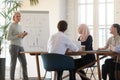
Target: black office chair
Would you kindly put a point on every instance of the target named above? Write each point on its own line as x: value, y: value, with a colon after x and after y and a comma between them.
x: 56, y: 62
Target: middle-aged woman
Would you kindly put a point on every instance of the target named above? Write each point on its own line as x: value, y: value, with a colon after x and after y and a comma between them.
x: 15, y: 35
x: 86, y: 39
x: 113, y: 41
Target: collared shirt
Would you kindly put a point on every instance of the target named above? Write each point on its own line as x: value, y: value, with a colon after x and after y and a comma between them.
x: 59, y: 43
x: 114, y: 41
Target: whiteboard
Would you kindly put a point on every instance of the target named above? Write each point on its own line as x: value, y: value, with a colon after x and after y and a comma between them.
x: 36, y: 23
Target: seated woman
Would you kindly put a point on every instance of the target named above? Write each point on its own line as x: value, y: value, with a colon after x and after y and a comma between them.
x: 109, y: 66
x: 86, y: 40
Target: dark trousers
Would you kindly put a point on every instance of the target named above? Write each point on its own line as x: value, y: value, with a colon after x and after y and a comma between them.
x: 15, y: 53
x: 80, y: 62
x: 72, y: 75
x: 108, y: 69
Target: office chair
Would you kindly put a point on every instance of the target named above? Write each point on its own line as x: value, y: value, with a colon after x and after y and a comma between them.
x: 56, y: 62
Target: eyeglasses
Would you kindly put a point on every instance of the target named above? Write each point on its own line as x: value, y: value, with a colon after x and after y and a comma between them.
x: 18, y: 16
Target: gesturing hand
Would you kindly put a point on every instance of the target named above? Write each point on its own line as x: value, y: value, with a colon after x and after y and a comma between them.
x: 22, y: 35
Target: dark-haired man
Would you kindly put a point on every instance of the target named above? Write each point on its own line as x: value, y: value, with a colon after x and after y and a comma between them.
x: 59, y: 43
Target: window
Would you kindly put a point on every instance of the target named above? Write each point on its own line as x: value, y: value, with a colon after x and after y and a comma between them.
x: 99, y: 16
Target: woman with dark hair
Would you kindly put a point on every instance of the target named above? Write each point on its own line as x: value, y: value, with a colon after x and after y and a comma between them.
x: 109, y: 66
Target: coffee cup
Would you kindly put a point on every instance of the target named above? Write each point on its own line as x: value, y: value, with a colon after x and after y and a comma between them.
x: 82, y: 47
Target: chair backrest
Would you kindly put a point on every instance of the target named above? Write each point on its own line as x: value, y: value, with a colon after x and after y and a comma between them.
x: 54, y: 62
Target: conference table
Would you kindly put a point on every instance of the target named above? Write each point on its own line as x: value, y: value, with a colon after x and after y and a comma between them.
x: 98, y: 54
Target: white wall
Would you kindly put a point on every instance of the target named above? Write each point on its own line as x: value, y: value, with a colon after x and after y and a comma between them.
x: 72, y: 19
x: 58, y: 9
x: 45, y: 5
x: 117, y: 11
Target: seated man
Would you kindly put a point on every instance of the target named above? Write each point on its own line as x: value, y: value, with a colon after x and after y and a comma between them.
x: 59, y: 43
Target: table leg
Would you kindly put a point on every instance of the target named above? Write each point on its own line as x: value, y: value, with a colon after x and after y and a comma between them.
x: 38, y: 67
x: 55, y: 75
x: 98, y: 65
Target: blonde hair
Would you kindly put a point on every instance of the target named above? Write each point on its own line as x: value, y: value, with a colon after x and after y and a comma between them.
x: 84, y: 32
x: 17, y: 12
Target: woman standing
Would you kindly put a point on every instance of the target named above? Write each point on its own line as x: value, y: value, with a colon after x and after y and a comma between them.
x: 15, y: 36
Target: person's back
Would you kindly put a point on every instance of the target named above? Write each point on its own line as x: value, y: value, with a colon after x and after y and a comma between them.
x: 59, y: 43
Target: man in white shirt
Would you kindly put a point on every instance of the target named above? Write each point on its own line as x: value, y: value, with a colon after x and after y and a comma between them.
x: 59, y: 43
